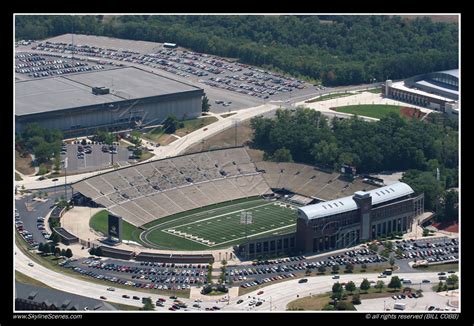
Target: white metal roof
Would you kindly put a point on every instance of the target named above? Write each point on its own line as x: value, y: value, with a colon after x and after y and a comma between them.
x: 346, y: 204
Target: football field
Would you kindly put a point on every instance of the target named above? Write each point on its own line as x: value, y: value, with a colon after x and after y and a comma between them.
x: 221, y: 226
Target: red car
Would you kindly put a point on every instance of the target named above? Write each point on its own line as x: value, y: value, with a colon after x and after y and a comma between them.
x: 161, y: 300
x: 259, y: 292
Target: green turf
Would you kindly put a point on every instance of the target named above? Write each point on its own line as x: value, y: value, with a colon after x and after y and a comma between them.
x: 221, y: 224
x: 377, y: 111
x: 99, y: 223
x: 329, y: 97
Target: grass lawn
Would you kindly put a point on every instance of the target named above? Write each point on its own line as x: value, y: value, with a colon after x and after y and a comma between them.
x: 329, y: 97
x: 17, y: 177
x: 228, y: 114
x: 194, y: 124
x: 220, y: 224
x: 374, y: 90
x: 123, y: 307
x: 23, y: 164
x: 317, y: 302
x: 99, y: 222
x: 377, y: 111
x: 20, y: 277
x: 440, y: 268
x: 145, y: 156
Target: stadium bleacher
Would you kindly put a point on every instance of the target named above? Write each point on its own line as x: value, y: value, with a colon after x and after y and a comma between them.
x: 149, y: 191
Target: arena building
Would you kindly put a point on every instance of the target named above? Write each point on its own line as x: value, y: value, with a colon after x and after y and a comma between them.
x: 116, y: 98
x: 437, y: 90
x: 364, y: 216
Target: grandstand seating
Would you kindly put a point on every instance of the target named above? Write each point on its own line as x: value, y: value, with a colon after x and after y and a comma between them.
x: 149, y: 191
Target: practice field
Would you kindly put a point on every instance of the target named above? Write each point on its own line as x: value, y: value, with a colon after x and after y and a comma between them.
x: 377, y: 111
x: 220, y: 226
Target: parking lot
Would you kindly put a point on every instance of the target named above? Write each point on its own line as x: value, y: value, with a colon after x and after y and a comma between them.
x: 33, y: 65
x: 433, y: 250
x: 274, y: 270
x: 30, y: 222
x: 90, y: 157
x: 208, y: 71
x: 148, y: 275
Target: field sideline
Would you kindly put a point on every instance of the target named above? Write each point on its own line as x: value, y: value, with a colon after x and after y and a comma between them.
x: 220, y: 227
x: 218, y: 224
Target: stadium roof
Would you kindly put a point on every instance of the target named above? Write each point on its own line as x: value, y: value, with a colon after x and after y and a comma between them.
x: 452, y: 72
x: 347, y: 204
x: 75, y: 90
x: 401, y: 86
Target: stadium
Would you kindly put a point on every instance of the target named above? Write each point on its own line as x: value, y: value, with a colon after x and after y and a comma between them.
x: 80, y: 103
x: 225, y: 198
x: 436, y: 90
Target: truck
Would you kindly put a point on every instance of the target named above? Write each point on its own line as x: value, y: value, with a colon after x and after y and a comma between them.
x: 388, y: 271
x: 399, y: 306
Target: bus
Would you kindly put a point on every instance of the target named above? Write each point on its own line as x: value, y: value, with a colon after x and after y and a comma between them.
x: 399, y: 306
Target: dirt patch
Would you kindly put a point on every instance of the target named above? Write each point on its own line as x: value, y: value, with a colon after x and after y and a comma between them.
x: 166, y: 139
x: 23, y: 164
x: 411, y: 113
x: 255, y: 154
x: 228, y: 115
x: 227, y: 138
x: 447, y: 226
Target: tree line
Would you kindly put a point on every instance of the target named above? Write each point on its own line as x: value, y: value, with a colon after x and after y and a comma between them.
x: 348, y: 50
x: 393, y: 143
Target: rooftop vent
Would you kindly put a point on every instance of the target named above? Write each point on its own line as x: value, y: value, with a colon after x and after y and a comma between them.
x: 100, y: 90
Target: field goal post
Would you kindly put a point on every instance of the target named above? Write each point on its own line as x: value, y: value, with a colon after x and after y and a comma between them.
x: 246, y: 218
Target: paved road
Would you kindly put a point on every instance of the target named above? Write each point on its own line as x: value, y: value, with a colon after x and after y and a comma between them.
x: 281, y: 294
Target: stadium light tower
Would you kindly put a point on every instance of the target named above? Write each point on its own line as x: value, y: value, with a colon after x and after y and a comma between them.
x: 65, y: 178
x: 246, y: 218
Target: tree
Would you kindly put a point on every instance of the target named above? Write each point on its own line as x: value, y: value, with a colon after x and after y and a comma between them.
x: 391, y: 262
x: 356, y: 299
x: 388, y: 245
x: 62, y: 253
x: 452, y: 280
x: 395, y: 283
x: 322, y: 269
x: 373, y: 247
x: 57, y: 251
x: 440, y: 287
x: 349, y: 268
x: 350, y: 286
x: 337, y: 287
x: 365, y: 285
x: 205, y: 104
x: 380, y: 285
x: 69, y: 253
x: 426, y: 232
x: 98, y: 251
x: 147, y: 304
x: 170, y: 125
x: 92, y: 251
x: 41, y: 247
x: 282, y: 155
x: 363, y: 267
x: 335, y: 269
x: 55, y: 238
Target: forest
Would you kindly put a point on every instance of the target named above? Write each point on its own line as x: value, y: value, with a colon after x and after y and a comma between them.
x: 391, y: 144
x: 339, y: 50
